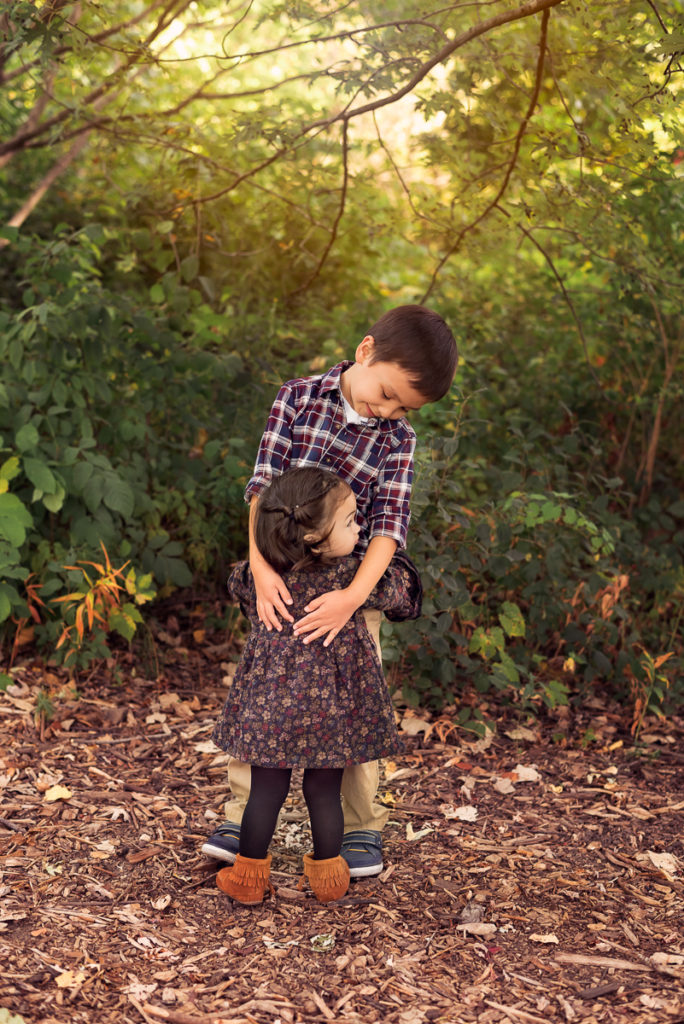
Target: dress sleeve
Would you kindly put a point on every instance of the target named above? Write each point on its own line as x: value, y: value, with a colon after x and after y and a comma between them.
x: 399, y: 592
x: 241, y: 589
x: 275, y: 448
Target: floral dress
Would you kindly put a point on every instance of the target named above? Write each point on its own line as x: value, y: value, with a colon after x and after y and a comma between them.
x: 294, y: 704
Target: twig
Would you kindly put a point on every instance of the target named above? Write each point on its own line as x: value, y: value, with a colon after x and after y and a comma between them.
x: 517, y: 1014
x: 566, y: 296
x: 601, y: 961
x: 340, y: 212
x: 603, y: 990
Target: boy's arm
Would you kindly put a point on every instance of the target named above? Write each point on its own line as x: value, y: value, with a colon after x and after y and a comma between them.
x: 272, y: 595
x: 329, y: 612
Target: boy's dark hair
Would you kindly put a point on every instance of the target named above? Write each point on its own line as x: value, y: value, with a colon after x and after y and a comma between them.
x: 418, y: 340
x: 299, y: 502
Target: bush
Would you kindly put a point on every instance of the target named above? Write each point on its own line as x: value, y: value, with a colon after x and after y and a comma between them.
x: 115, y: 428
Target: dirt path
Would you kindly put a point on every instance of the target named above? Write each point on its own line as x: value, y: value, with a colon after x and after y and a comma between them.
x: 526, y: 879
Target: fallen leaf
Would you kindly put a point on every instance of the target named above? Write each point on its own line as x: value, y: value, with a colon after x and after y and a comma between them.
x: 527, y: 773
x: 161, y: 903
x: 280, y: 944
x: 7, y: 1017
x: 106, y: 848
x: 138, y: 990
x: 652, y: 1002
x: 665, y: 862
x: 472, y: 913
x: 322, y: 943
x: 68, y: 979
x: 464, y: 813
x: 482, y: 928
x: 206, y: 747
x: 504, y: 786
x: 521, y: 733
x: 412, y: 726
x: 482, y: 744
x: 412, y: 836
x: 57, y: 793
x: 548, y: 938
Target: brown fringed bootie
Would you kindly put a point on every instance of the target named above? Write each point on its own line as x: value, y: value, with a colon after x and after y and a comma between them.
x: 246, y: 880
x: 329, y: 878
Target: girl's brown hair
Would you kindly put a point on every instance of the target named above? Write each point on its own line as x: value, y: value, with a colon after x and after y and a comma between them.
x: 299, y: 503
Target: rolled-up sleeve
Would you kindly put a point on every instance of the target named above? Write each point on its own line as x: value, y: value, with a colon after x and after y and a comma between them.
x: 390, y: 509
x: 275, y: 450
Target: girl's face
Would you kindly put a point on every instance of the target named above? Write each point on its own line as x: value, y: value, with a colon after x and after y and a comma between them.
x: 344, y: 530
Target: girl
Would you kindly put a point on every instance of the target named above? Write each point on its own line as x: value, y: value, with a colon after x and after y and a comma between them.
x: 296, y: 704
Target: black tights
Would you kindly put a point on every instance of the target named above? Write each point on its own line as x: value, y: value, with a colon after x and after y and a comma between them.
x: 270, y: 786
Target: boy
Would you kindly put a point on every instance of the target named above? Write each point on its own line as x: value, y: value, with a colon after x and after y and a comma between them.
x: 352, y: 421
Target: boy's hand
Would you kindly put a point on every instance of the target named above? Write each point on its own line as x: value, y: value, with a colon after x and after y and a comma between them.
x: 272, y: 596
x: 327, y: 613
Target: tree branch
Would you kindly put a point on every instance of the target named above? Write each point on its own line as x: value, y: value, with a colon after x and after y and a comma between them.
x: 512, y: 162
x: 320, y: 124
x: 340, y: 213
x: 566, y: 296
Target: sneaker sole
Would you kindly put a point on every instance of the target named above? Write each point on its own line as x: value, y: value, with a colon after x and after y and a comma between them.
x: 218, y: 853
x: 373, y: 869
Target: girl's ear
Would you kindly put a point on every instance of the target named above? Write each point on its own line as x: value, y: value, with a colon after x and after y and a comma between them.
x: 312, y: 539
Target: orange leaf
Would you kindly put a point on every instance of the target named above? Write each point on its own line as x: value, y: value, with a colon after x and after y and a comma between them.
x: 79, y: 622
x: 76, y: 596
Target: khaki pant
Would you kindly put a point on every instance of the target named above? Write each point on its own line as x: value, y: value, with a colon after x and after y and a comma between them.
x: 359, y: 782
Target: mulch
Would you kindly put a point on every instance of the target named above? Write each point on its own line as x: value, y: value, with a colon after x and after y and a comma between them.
x: 531, y: 876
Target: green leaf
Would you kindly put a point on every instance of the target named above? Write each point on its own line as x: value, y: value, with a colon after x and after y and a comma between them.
x: 118, y: 496
x: 189, y: 268
x: 488, y: 643
x: 40, y: 475
x: 53, y: 502
x: 15, y: 519
x: 82, y: 473
x: 93, y: 491
x: 512, y: 620
x: 26, y: 437
x: 157, y: 294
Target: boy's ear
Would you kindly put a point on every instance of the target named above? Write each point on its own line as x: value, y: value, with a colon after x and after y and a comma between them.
x: 366, y: 349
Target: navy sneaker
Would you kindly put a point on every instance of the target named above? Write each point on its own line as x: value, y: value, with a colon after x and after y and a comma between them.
x: 224, y: 843
x: 362, y: 850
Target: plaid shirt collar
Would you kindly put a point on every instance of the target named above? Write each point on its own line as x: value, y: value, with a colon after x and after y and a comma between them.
x: 330, y: 381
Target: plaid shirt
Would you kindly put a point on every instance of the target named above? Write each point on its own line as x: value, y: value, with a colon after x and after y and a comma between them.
x: 307, y: 426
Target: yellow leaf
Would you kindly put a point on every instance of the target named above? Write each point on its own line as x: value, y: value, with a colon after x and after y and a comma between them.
x: 58, y: 793
x: 68, y: 979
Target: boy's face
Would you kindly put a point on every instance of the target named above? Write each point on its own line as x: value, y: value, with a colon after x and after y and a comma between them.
x: 384, y: 390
